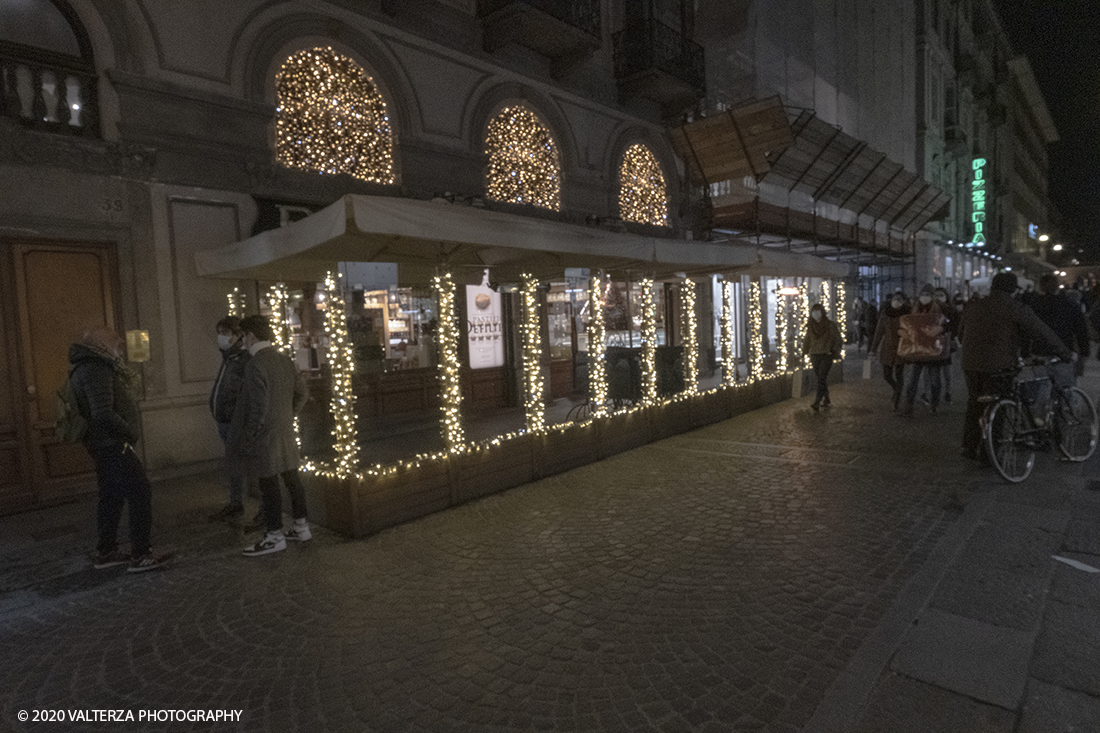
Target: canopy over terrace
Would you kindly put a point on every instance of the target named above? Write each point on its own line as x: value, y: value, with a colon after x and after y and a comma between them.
x: 794, y: 150
x: 424, y: 237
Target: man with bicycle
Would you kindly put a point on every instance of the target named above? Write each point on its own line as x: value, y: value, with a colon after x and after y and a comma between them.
x: 993, y: 331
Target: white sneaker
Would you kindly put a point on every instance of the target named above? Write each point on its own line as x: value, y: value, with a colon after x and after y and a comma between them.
x: 299, y: 532
x: 271, y: 542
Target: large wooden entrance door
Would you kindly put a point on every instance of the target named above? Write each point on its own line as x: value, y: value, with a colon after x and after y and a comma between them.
x: 54, y: 291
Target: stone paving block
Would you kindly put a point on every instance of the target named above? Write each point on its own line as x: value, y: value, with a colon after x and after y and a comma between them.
x: 1077, y: 587
x: 904, y: 705
x: 1083, y: 534
x: 1053, y: 709
x: 1046, y: 519
x: 988, y: 663
x: 993, y: 595
x: 1068, y: 650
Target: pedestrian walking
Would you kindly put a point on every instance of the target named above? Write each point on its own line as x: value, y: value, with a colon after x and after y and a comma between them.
x: 223, y: 400
x: 885, y: 344
x: 104, y: 391
x: 919, y: 361
x: 1066, y: 319
x: 951, y: 326
x: 823, y: 344
x: 262, y: 430
x: 994, y: 329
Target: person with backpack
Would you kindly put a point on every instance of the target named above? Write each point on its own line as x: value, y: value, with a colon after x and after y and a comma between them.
x: 223, y: 399
x: 102, y: 388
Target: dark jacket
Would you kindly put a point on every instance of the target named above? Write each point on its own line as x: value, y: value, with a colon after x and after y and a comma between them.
x: 822, y: 338
x: 262, y: 429
x: 1064, y: 318
x: 104, y: 397
x: 223, y: 395
x: 886, y: 337
x: 994, y: 329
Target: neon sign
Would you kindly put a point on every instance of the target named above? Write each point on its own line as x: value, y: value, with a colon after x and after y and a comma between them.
x: 977, y: 199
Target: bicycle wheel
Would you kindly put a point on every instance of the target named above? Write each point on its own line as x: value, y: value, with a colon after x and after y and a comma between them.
x: 1075, y: 424
x: 1005, y: 431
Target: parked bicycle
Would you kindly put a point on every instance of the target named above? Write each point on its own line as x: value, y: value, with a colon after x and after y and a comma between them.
x: 1034, y: 414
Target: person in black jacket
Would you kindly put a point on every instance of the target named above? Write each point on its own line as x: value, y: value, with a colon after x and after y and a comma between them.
x: 103, y: 387
x: 223, y: 399
x: 1066, y: 318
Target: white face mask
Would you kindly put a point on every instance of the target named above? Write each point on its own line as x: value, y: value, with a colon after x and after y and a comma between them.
x: 896, y: 303
x: 224, y: 341
x: 941, y: 298
x: 816, y: 315
x: 925, y: 299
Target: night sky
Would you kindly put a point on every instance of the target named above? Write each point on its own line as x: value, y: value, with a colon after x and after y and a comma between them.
x: 1060, y: 37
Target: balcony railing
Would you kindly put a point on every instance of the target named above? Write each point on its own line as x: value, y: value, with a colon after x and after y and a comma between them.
x: 584, y: 15
x: 650, y: 45
x: 47, y: 91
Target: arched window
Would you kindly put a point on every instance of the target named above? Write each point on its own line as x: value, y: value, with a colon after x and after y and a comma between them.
x: 331, y: 117
x: 523, y: 160
x: 47, y: 78
x: 643, y: 195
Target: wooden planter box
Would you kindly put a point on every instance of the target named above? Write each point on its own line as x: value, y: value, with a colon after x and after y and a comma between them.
x: 622, y: 432
x: 488, y: 471
x: 556, y: 452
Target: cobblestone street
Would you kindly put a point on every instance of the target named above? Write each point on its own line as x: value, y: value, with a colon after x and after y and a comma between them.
x: 745, y: 576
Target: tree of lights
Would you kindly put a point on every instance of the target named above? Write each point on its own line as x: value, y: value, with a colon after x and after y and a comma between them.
x: 523, y: 160
x: 643, y: 196
x: 331, y: 118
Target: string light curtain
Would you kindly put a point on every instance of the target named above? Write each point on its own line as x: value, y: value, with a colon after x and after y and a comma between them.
x: 756, y: 336
x: 729, y: 363
x: 781, y: 334
x: 532, y: 356
x: 597, y: 349
x: 454, y: 433
x: 278, y: 297
x: 342, y: 365
x: 524, y: 166
x: 803, y: 319
x: 643, y: 195
x: 649, y: 344
x: 691, y: 337
x: 331, y: 118
x: 841, y: 313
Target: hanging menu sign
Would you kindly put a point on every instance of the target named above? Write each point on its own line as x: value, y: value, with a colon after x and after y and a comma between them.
x: 484, y: 328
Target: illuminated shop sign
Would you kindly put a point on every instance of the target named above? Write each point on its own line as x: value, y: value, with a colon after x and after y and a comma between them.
x: 484, y: 327
x: 977, y: 199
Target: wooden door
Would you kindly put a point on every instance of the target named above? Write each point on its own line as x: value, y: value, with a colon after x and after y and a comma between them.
x: 59, y: 290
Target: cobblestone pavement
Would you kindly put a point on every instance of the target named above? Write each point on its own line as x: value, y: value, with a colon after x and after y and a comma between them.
x: 739, y: 577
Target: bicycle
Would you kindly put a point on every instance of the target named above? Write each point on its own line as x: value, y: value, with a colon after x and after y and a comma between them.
x: 1021, y: 421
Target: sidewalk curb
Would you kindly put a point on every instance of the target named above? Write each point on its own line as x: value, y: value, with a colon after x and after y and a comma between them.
x: 846, y: 698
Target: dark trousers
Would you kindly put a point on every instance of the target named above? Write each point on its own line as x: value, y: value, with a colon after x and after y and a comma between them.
x: 122, y: 480
x: 979, y: 384
x: 895, y: 377
x: 822, y: 363
x: 233, y: 469
x: 933, y: 371
x: 271, y: 498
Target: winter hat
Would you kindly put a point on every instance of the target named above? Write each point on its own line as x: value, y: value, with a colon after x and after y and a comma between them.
x: 1004, y: 282
x: 926, y: 290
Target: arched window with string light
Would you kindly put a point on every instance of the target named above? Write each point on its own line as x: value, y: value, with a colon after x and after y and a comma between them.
x: 524, y: 164
x: 331, y: 117
x: 643, y: 194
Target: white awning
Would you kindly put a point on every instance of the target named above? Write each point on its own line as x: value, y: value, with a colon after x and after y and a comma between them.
x: 423, y: 237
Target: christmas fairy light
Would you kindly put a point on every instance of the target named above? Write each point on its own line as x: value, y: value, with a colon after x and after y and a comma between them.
x: 532, y: 356
x: 649, y: 343
x: 781, y: 335
x: 825, y: 299
x: 342, y: 364
x: 643, y: 196
x: 756, y: 336
x: 691, y: 337
x: 597, y: 349
x: 278, y: 297
x: 236, y: 303
x: 524, y: 167
x: 725, y: 323
x: 454, y: 435
x: 841, y: 313
x: 331, y: 118
x: 803, y: 319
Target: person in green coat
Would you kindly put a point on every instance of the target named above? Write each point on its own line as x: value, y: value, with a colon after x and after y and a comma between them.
x: 822, y: 343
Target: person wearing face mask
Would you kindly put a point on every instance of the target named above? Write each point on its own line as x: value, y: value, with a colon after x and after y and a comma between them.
x: 104, y: 392
x: 822, y: 343
x: 223, y: 400
x: 940, y: 298
x: 262, y: 430
x: 925, y: 304
x: 885, y: 343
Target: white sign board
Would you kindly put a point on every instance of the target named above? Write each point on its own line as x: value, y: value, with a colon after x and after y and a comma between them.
x: 484, y: 328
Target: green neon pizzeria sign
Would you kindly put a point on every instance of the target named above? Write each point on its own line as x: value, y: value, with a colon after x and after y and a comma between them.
x: 977, y: 200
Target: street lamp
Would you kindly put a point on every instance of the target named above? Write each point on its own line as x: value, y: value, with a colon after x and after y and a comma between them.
x: 1044, y: 237
x: 1056, y: 248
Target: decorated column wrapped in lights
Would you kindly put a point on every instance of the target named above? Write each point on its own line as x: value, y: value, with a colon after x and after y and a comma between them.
x: 342, y: 365
x: 532, y: 357
x: 841, y: 313
x: 454, y: 434
x: 691, y: 337
x: 729, y: 363
x: 236, y: 306
x: 278, y: 298
x: 826, y: 300
x: 597, y: 349
x: 649, y: 344
x: 781, y: 334
x: 803, y: 320
x: 756, y: 336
